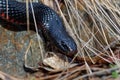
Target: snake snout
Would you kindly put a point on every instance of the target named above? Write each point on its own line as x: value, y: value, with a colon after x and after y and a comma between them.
x: 68, y: 47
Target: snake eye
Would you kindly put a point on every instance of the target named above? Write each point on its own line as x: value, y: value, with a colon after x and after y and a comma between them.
x: 64, y: 46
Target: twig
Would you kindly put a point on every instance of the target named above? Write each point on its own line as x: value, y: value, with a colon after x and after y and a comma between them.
x: 4, y: 76
x: 98, y: 73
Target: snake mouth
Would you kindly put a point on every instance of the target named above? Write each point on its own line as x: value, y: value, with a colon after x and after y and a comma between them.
x: 70, y: 54
x: 66, y: 49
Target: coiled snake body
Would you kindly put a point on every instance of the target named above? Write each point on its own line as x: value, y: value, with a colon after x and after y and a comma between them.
x: 48, y: 22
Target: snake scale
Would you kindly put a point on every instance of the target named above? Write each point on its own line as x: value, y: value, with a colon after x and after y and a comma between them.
x: 48, y: 23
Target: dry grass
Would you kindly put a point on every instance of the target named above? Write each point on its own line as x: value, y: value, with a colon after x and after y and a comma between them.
x: 94, y: 25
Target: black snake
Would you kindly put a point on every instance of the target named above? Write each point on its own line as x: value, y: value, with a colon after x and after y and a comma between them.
x: 48, y: 23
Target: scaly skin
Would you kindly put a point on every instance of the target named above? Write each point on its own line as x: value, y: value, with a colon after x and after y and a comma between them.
x: 48, y: 22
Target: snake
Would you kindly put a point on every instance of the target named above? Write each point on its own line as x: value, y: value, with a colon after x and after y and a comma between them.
x: 49, y: 23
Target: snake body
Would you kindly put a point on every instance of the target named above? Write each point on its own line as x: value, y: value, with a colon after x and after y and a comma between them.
x: 48, y: 23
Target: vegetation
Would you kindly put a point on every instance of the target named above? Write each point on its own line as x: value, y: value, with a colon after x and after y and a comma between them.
x: 95, y: 27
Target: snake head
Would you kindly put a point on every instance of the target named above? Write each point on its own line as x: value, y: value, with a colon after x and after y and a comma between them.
x: 60, y: 37
x: 67, y: 45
